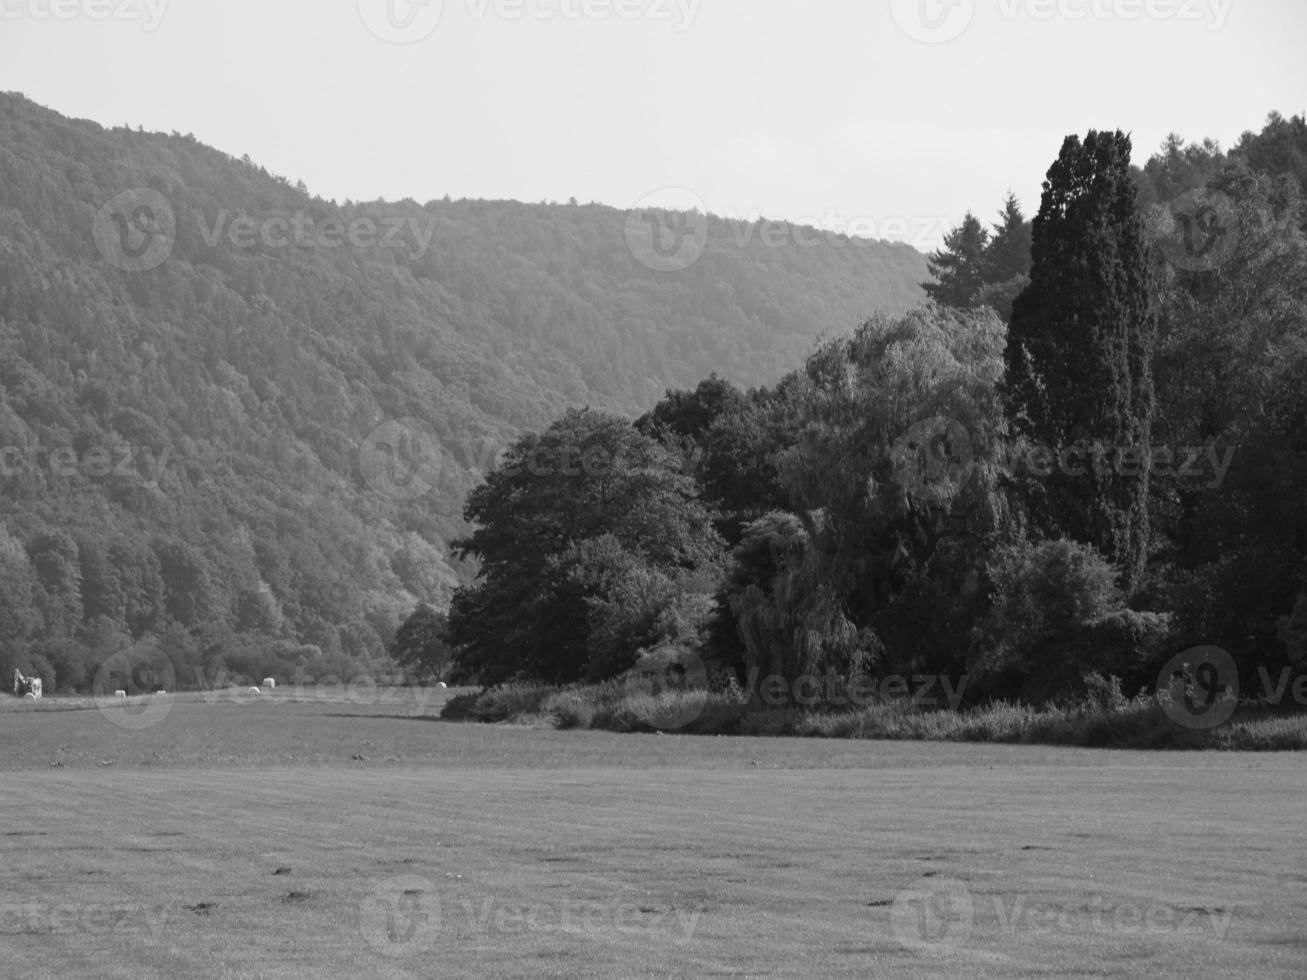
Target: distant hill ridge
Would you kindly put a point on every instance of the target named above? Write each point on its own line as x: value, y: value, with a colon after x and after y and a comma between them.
x: 244, y: 339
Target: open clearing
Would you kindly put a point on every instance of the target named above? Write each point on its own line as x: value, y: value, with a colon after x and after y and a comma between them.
x: 327, y: 839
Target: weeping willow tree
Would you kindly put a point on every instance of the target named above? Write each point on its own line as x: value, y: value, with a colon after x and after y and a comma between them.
x: 892, y: 485
x: 789, y: 615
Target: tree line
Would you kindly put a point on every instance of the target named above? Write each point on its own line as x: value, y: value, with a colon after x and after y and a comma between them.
x: 1083, y: 456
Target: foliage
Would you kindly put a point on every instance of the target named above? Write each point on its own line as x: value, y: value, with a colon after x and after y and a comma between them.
x: 959, y: 267
x: 1058, y: 617
x: 1104, y: 717
x: 1280, y: 148
x: 182, y: 444
x: 420, y: 643
x: 980, y: 268
x: 1080, y: 347
x: 898, y: 550
x: 183, y: 467
x: 576, y: 523
x: 1008, y: 255
x: 1231, y: 549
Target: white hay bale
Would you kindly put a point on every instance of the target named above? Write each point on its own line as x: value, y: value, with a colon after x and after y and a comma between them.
x: 442, y: 685
x: 120, y: 694
x: 270, y: 683
x: 255, y: 690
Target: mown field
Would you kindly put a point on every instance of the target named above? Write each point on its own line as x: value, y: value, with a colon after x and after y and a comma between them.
x: 277, y: 838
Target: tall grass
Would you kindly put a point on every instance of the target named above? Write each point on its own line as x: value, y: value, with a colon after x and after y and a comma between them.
x: 1096, y: 722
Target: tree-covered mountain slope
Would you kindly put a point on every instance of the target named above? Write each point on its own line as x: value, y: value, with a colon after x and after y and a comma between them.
x: 195, y: 358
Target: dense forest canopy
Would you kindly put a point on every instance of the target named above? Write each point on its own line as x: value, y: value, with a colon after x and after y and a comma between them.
x: 181, y: 431
x: 1083, y: 458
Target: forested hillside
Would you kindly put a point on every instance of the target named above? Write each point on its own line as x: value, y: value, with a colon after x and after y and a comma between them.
x: 193, y: 351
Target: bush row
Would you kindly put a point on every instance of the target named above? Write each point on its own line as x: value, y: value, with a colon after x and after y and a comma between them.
x: 1093, y: 723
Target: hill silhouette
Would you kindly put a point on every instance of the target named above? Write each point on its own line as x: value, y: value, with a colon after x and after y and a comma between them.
x: 199, y: 362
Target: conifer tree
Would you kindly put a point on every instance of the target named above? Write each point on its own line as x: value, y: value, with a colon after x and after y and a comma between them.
x: 1008, y: 254
x: 1080, y: 343
x: 958, y: 267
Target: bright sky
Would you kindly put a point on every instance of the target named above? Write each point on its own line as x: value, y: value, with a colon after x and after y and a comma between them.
x: 891, y: 116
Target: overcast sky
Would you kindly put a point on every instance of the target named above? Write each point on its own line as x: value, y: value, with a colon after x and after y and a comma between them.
x: 889, y: 115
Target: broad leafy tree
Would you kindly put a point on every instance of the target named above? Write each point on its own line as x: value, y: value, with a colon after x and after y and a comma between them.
x: 420, y: 644
x: 589, y: 476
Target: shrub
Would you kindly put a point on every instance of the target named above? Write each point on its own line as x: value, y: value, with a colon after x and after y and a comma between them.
x: 1058, y: 613
x: 1103, y: 718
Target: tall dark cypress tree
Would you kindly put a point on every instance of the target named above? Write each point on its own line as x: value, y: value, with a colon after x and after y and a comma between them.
x: 1079, y: 351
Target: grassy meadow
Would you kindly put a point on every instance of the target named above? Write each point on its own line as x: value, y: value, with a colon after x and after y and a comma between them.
x: 294, y: 835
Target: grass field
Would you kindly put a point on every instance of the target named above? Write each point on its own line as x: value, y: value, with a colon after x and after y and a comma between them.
x: 327, y: 839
